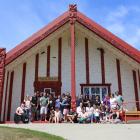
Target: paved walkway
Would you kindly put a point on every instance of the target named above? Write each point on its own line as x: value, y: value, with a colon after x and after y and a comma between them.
x: 87, y: 131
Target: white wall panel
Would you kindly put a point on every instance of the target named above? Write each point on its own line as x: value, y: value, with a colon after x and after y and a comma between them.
x: 80, y: 62
x: 16, y: 92
x: 30, y: 76
x: 42, y: 62
x: 54, y: 58
x: 94, y: 62
x: 127, y: 84
x: 111, y: 70
x: 66, y: 69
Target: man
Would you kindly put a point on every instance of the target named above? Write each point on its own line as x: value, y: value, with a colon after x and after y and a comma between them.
x: 44, y: 107
x: 33, y: 106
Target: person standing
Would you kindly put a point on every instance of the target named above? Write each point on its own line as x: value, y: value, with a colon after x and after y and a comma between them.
x: 119, y: 99
x: 27, y: 102
x: 33, y: 106
x: 43, y: 107
x: 65, y: 104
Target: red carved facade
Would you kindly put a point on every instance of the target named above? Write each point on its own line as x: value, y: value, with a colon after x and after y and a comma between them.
x: 72, y: 16
x: 2, y: 73
x: 87, y: 61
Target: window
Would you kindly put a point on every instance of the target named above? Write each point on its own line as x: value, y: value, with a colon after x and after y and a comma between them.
x: 96, y: 89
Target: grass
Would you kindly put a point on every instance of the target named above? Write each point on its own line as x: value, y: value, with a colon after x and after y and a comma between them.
x: 8, y: 133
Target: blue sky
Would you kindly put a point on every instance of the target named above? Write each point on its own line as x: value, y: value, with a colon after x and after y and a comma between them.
x: 21, y: 18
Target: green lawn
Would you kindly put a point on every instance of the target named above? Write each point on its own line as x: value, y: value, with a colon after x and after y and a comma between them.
x: 7, y: 133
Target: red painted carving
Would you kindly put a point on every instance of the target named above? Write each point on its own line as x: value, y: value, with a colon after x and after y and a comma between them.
x: 119, y: 76
x: 73, y: 7
x: 48, y: 60
x: 72, y: 13
x: 72, y: 17
x: 87, y: 61
x: 136, y: 90
x: 2, y: 71
x: 102, y: 64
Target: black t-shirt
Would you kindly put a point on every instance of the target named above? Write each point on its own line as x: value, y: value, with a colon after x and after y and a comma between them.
x: 34, y: 100
x: 52, y: 103
x: 85, y: 102
x: 97, y: 102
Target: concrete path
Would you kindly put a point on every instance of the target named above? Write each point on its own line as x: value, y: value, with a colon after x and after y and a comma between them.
x: 87, y: 131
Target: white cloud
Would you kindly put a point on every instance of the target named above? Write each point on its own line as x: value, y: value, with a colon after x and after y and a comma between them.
x: 120, y: 12
x: 120, y: 22
x: 116, y: 28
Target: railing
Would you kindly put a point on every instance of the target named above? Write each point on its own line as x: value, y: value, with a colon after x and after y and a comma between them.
x: 130, y: 111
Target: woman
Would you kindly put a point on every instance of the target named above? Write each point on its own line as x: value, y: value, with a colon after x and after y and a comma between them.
x: 19, y: 113
x: 90, y: 112
x: 97, y: 101
x: 65, y: 105
x: 113, y: 102
x: 27, y: 102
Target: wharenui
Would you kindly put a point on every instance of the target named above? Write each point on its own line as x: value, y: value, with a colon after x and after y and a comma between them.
x: 71, y: 54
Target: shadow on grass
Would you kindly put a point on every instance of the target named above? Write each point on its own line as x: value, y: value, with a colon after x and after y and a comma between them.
x: 9, y: 133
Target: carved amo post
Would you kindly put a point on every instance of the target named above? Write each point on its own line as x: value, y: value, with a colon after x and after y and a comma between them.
x: 2, y: 73
x: 72, y: 18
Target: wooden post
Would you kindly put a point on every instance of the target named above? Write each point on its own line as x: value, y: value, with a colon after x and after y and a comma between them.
x: 72, y: 16
x: 2, y: 74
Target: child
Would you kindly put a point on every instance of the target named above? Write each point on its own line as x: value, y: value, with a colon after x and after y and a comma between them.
x: 57, y: 115
x: 52, y: 116
x: 97, y: 114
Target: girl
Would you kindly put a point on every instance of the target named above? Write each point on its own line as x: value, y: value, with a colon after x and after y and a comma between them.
x: 57, y: 116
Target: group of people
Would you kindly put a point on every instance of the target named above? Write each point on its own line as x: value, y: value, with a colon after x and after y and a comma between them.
x: 46, y: 107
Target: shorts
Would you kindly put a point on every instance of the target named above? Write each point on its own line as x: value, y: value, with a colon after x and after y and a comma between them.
x: 33, y: 109
x: 43, y: 110
x: 65, y: 111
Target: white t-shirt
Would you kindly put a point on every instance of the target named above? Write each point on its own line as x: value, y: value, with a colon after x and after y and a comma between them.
x: 113, y: 103
x: 19, y: 111
x: 27, y: 104
x: 79, y: 109
x: 97, y: 112
x: 83, y: 115
x: 89, y: 110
